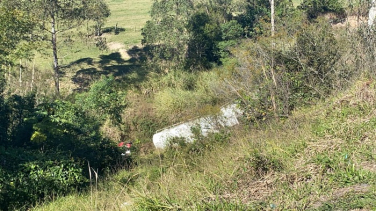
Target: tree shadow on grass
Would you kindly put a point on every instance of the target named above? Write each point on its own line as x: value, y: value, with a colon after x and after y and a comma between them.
x: 138, y: 55
x: 128, y: 72
x: 113, y: 29
x: 87, y: 60
x: 107, y: 59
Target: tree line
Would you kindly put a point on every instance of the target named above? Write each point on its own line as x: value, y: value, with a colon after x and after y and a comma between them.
x: 41, y: 22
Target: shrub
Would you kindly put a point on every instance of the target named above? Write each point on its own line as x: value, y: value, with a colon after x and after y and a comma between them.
x: 28, y: 176
x: 103, y: 99
x: 314, y: 8
x: 300, y: 74
x: 317, y: 52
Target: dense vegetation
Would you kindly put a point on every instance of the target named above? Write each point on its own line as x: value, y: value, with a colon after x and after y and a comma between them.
x: 295, y: 148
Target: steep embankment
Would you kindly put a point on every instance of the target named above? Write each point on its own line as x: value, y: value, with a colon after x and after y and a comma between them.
x: 321, y: 158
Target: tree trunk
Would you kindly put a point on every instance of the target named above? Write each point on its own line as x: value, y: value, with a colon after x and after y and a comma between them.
x: 20, y: 80
x: 54, y: 50
x: 272, y: 62
x: 9, y: 69
x: 272, y: 15
x: 32, y: 76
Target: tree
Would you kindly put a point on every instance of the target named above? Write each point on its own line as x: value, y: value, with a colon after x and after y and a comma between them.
x: 203, y: 43
x: 314, y: 8
x: 53, y: 17
x: 56, y: 16
x: 184, y: 35
x: 14, y: 27
x: 97, y: 10
x: 166, y: 33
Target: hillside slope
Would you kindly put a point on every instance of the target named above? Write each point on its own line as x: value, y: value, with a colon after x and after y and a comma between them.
x: 321, y: 158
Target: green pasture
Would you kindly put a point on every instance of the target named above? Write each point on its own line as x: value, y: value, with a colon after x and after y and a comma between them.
x: 130, y: 16
x: 83, y: 61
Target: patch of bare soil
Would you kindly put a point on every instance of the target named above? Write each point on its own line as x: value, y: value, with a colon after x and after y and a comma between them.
x: 339, y: 193
x: 365, y: 93
x: 351, y: 22
x: 368, y: 166
x: 119, y: 47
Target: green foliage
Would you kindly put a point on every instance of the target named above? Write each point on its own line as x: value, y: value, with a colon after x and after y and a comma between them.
x: 17, y: 111
x: 3, y: 112
x: 310, y: 67
x: 254, y: 13
x: 318, y: 52
x: 14, y: 25
x: 103, y: 99
x: 97, y: 11
x: 340, y: 168
x: 68, y: 128
x: 261, y: 164
x: 189, y: 37
x: 179, y: 147
x: 204, y: 37
x: 176, y: 101
x: 154, y: 204
x: 300, y: 74
x: 321, y: 128
x: 314, y: 8
x: 52, y: 18
x: 255, y: 16
x: 222, y: 205
x: 27, y: 176
x: 44, y: 149
x: 231, y: 31
x: 166, y: 33
x: 220, y: 11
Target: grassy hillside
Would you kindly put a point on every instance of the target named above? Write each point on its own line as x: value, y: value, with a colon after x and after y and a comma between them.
x: 319, y: 155
x: 130, y: 17
x: 321, y: 158
x: 81, y: 60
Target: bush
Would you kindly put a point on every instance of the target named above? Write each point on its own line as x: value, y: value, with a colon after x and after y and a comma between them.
x: 28, y: 176
x: 103, y: 100
x: 316, y: 52
x: 314, y: 8
x: 306, y: 71
x: 44, y: 149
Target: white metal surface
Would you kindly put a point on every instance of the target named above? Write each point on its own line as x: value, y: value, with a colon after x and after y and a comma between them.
x: 211, y: 124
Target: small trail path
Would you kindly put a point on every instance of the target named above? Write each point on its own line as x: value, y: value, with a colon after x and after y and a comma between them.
x: 119, y: 47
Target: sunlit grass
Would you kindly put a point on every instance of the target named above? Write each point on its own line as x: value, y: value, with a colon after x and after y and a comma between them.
x: 320, y: 157
x: 130, y: 15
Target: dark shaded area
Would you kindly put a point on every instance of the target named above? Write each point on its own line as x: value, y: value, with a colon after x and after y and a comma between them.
x: 63, y: 68
x: 111, y: 64
x: 45, y: 150
x: 139, y: 55
x: 87, y: 60
x: 113, y: 29
x: 106, y: 59
x: 85, y: 76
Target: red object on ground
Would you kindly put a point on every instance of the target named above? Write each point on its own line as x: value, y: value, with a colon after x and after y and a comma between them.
x: 129, y: 145
x: 120, y: 144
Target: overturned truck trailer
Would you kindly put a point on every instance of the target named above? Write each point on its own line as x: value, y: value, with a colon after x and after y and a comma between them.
x: 227, y: 117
